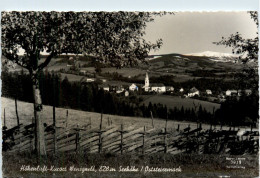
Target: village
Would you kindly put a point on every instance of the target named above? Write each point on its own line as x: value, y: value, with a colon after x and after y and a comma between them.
x: 160, y: 88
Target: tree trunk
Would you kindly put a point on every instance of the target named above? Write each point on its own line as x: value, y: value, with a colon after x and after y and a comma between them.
x: 16, y: 111
x: 40, y: 141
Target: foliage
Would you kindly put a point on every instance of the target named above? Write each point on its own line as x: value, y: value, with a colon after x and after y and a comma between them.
x: 245, y: 109
x: 248, y: 51
x: 112, y: 37
x: 241, y: 46
x: 242, y: 111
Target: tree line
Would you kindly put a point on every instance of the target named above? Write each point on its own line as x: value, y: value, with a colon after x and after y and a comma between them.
x: 88, y: 97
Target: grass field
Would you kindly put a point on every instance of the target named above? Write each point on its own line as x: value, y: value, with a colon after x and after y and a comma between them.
x: 176, y: 101
x: 192, y: 165
x: 81, y: 118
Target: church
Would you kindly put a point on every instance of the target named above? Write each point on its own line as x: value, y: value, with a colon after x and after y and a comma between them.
x: 146, y: 83
x: 154, y: 87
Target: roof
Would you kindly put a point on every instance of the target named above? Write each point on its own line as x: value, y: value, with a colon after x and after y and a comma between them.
x: 232, y: 91
x: 103, y: 85
x: 193, y: 90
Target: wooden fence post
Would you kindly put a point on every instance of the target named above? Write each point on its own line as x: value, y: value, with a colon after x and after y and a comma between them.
x: 100, y: 134
x: 4, y: 119
x: 108, y: 121
x: 55, y: 130
x: 165, y: 135
x: 152, y: 118
x: 90, y: 122
x: 143, y: 149
x: 165, y: 141
x: 16, y: 111
x: 77, y: 139
x: 121, y: 144
x: 178, y: 129
x: 67, y: 116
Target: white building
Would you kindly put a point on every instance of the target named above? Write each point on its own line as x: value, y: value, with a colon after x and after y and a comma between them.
x: 146, y: 83
x: 169, y: 88
x: 248, y: 92
x: 133, y: 87
x: 104, y: 87
x: 158, y: 87
x: 209, y: 92
x: 119, y: 91
x: 126, y: 93
x: 231, y: 92
x: 193, y: 91
x: 181, y: 90
x: 90, y: 79
x: 82, y: 71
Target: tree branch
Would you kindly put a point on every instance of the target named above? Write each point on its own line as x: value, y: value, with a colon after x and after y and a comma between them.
x: 47, y: 61
x: 15, y: 59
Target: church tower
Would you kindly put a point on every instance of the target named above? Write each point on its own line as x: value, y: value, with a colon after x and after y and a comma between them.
x: 146, y: 82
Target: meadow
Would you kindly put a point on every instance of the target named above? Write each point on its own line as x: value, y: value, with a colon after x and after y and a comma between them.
x: 178, y: 102
x: 81, y: 118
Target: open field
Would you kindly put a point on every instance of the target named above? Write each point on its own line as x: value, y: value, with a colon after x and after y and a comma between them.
x: 81, y: 118
x: 178, y: 102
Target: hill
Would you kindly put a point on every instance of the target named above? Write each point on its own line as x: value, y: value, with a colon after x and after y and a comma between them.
x: 180, y: 66
x: 178, y: 102
x: 79, y: 117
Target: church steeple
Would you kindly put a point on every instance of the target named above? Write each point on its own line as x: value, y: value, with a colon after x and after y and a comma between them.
x: 146, y: 82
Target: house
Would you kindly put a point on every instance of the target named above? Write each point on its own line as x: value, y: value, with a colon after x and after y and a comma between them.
x: 239, y: 92
x: 133, y: 87
x: 126, y: 93
x: 169, y: 89
x: 248, y: 92
x: 120, y: 89
x: 104, y: 87
x: 193, y: 91
x: 82, y: 71
x: 209, y: 92
x: 90, y: 79
x: 221, y: 96
x: 231, y: 92
x: 103, y: 80
x: 181, y: 90
x: 116, y: 87
x: 158, y: 87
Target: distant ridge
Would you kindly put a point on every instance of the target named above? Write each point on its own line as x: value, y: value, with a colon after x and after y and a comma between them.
x: 212, y: 54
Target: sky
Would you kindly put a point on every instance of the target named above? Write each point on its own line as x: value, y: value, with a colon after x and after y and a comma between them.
x: 182, y: 33
x: 194, y: 32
